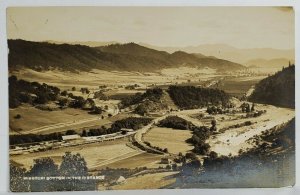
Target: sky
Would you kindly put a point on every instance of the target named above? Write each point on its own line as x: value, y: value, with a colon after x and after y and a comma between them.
x: 241, y: 27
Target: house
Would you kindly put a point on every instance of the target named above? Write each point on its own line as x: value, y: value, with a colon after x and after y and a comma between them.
x: 70, y: 137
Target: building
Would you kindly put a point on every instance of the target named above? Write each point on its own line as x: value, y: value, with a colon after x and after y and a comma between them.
x: 70, y: 137
x: 125, y: 130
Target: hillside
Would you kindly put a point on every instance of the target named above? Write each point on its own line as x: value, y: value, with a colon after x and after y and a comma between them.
x: 190, y: 97
x: 126, y: 57
x: 223, y: 51
x: 278, y: 89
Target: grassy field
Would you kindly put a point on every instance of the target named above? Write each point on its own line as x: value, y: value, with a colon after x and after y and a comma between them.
x: 237, y: 86
x: 141, y: 160
x: 32, y: 118
x: 173, y: 139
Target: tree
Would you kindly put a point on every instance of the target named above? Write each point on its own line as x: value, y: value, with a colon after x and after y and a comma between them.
x: 18, y: 116
x: 252, y: 108
x: 70, y: 132
x: 248, y: 108
x: 213, y: 125
x: 73, y: 165
x: 62, y: 102
x: 64, y: 93
x: 73, y: 88
x: 43, y: 167
x: 84, y: 133
x: 213, y: 155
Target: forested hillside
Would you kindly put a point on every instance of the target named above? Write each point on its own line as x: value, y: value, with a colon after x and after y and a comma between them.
x: 190, y: 97
x: 278, y: 89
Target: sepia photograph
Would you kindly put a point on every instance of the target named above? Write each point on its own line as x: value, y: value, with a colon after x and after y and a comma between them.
x: 140, y: 97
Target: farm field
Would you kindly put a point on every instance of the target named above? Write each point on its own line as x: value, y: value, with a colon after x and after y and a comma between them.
x: 237, y: 86
x: 95, y: 78
x: 95, y: 154
x: 32, y: 118
x: 141, y: 160
x: 172, y: 139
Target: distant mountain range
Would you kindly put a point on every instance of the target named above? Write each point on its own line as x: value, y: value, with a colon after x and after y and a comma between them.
x: 276, y: 63
x: 223, y: 51
x: 127, y: 57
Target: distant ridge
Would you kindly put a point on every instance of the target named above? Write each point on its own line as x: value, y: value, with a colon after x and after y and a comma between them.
x: 123, y: 57
x: 224, y: 51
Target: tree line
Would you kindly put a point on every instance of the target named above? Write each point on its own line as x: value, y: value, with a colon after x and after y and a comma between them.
x: 71, y: 165
x: 21, y: 91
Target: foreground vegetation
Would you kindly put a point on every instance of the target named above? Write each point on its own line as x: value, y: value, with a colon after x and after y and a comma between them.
x: 72, y: 165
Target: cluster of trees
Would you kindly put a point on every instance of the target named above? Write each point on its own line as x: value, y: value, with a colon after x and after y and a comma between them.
x: 165, y: 150
x: 255, y: 114
x: 246, y: 123
x: 85, y: 90
x: 100, y: 95
x: 190, y: 163
x: 98, y: 131
x: 21, y: 91
x: 200, y: 135
x: 216, y: 110
x: 128, y: 123
x: 247, y: 108
x: 131, y: 87
x: 176, y: 122
x: 31, y: 138
x: 191, y: 97
x: 278, y: 89
x: 71, y: 165
x: 154, y: 95
x: 131, y: 123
